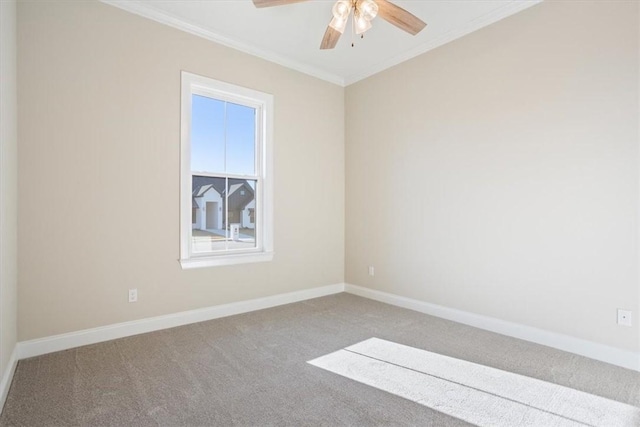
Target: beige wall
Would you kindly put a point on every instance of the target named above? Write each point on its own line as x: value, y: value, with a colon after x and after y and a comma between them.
x: 499, y: 173
x: 99, y: 117
x: 8, y: 182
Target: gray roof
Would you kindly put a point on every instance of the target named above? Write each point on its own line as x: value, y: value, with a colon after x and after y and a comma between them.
x: 199, y: 183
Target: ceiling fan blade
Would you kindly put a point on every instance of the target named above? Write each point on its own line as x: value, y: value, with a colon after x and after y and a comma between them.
x: 330, y: 39
x: 399, y: 17
x: 269, y: 3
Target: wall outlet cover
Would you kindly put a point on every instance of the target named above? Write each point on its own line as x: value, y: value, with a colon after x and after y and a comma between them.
x: 624, y: 317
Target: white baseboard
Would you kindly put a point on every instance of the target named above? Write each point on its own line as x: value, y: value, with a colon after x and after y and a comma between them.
x: 25, y: 349
x: 54, y: 343
x: 615, y: 356
x: 7, y: 377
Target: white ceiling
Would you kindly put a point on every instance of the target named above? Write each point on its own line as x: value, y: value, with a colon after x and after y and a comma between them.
x: 290, y: 35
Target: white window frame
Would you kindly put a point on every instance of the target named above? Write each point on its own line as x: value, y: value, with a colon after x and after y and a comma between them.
x: 263, y: 103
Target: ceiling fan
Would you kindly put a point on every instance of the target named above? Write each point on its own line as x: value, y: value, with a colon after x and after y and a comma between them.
x: 364, y: 11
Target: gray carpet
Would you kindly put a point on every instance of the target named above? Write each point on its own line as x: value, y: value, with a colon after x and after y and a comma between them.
x: 251, y: 370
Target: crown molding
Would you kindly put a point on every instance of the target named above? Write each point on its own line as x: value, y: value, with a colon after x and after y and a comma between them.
x: 475, y: 24
x: 146, y: 11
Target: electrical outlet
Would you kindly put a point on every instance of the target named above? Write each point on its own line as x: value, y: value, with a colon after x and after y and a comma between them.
x: 133, y: 295
x: 624, y: 317
x: 371, y: 271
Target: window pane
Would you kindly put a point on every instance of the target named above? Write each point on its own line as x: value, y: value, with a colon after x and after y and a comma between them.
x: 207, y: 134
x: 208, y: 229
x: 223, y: 214
x: 241, y: 135
x: 242, y: 214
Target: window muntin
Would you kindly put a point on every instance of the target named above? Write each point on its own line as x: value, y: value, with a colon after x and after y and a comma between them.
x: 226, y: 185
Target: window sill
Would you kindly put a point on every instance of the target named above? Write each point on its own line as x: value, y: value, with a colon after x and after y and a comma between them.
x: 220, y: 260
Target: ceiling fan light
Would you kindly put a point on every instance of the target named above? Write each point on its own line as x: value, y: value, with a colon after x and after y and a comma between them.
x: 368, y: 9
x: 361, y: 24
x: 341, y: 9
x: 339, y: 24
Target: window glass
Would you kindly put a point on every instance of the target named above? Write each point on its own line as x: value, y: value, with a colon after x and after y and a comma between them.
x: 241, y: 135
x: 241, y: 203
x: 207, y: 134
x: 209, y: 231
x: 223, y: 214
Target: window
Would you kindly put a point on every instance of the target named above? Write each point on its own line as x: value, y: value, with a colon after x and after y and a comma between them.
x: 226, y: 188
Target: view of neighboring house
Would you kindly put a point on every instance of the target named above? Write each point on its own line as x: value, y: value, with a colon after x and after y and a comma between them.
x: 213, y: 206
